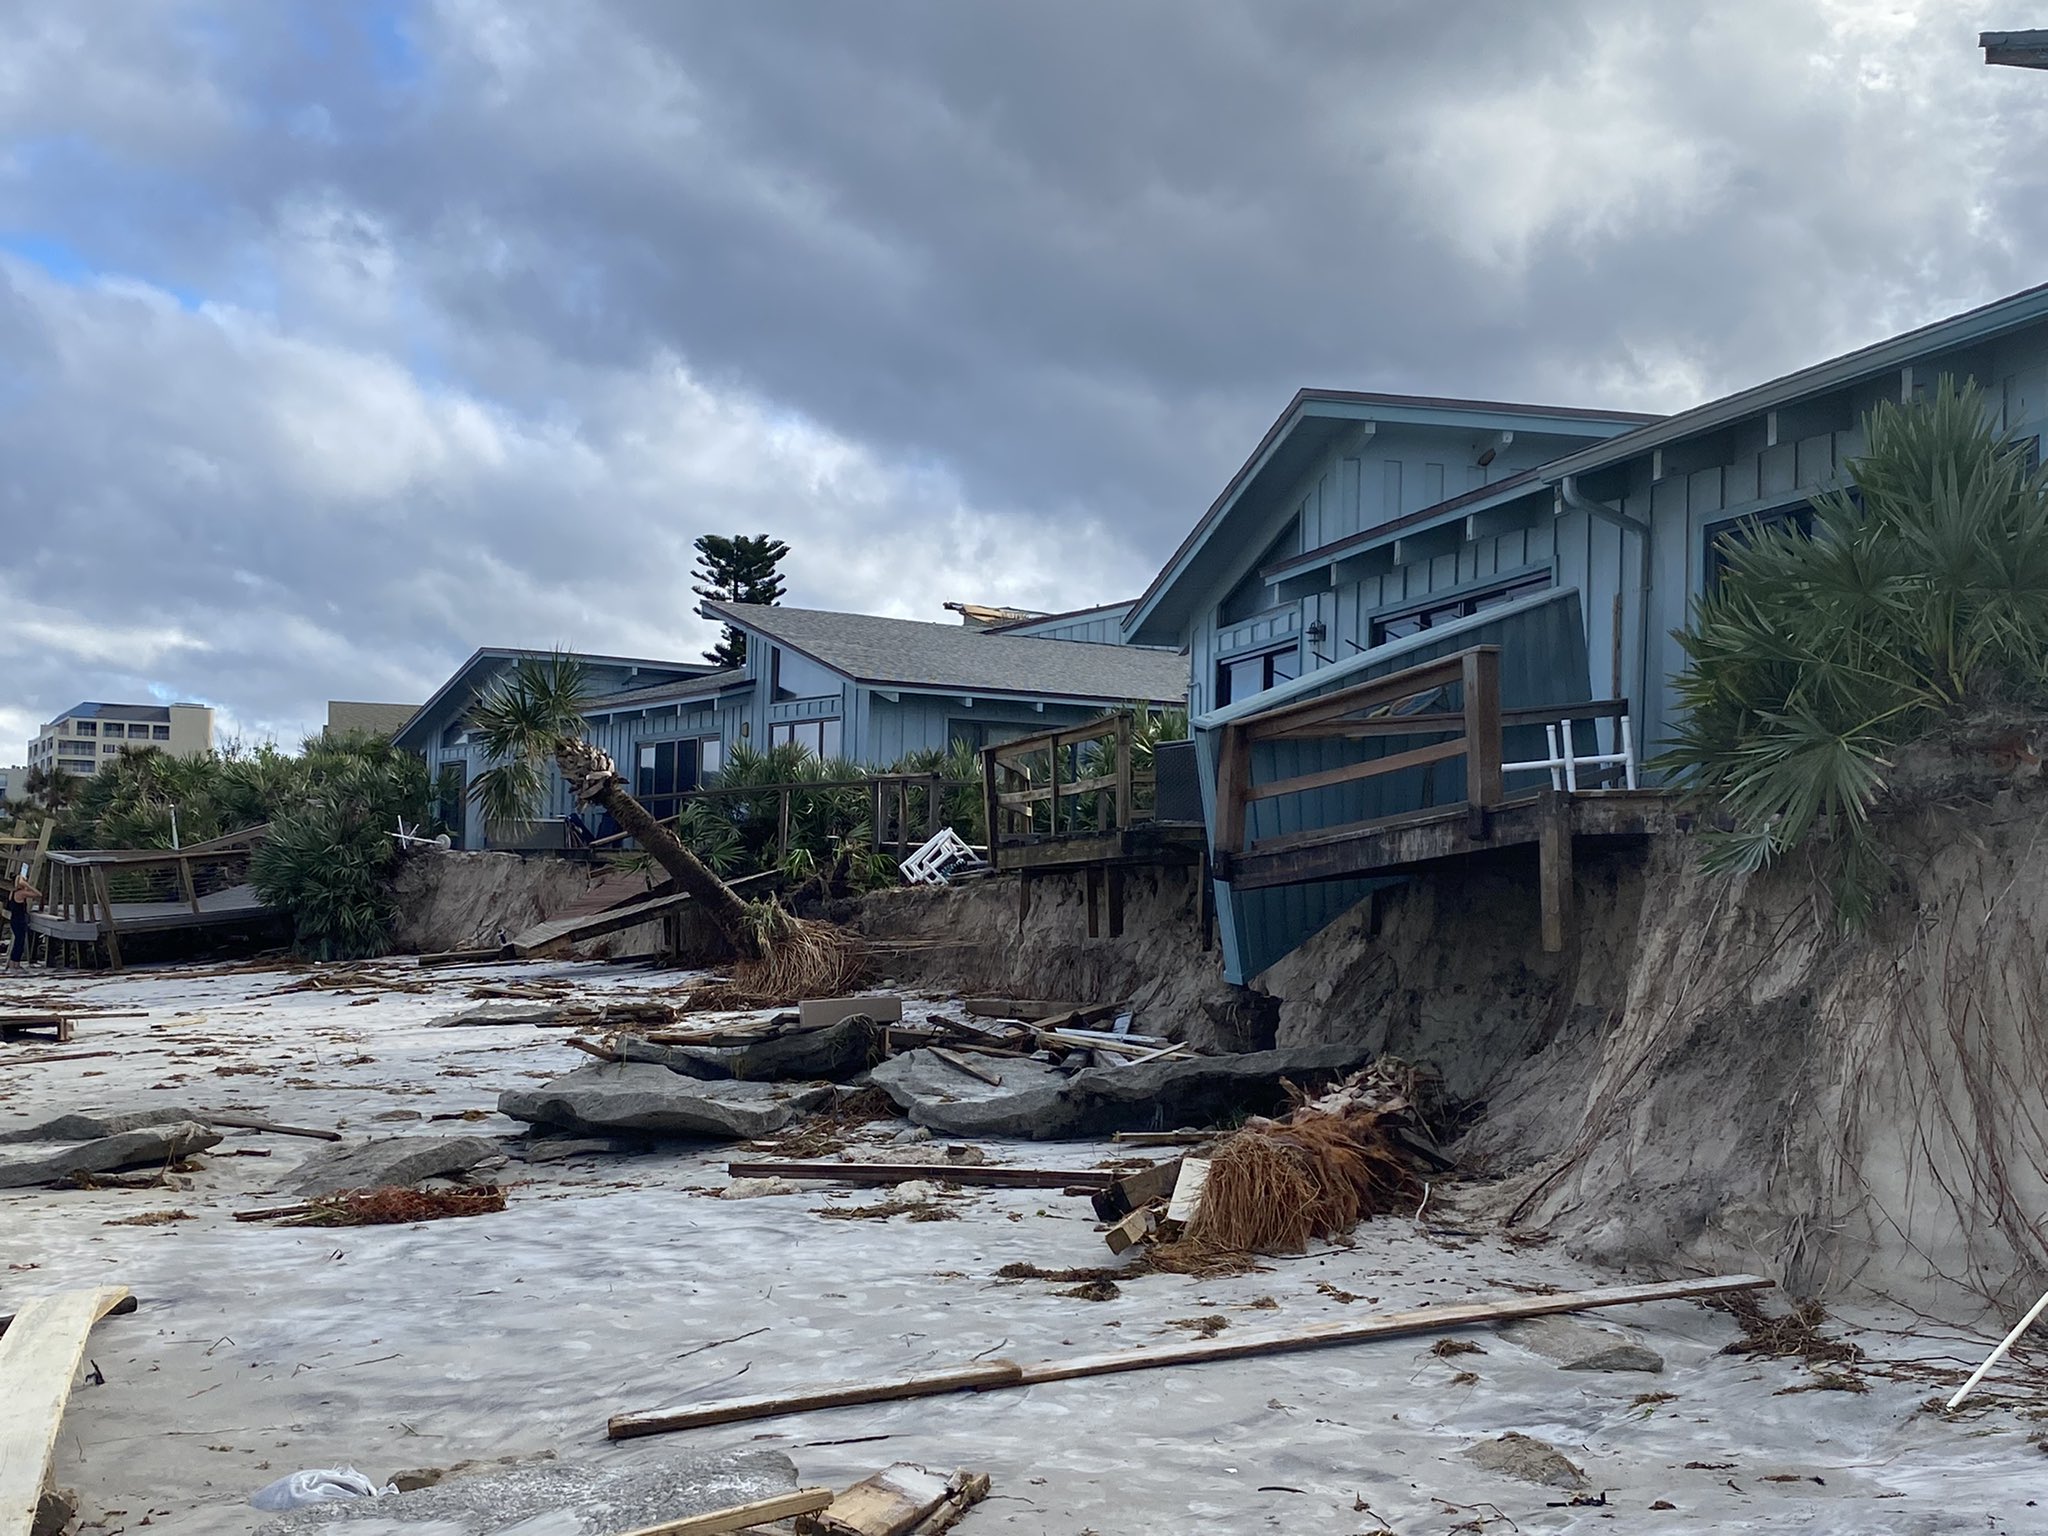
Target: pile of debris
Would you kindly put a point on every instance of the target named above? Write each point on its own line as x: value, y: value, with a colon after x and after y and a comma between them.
x: 1364, y: 1148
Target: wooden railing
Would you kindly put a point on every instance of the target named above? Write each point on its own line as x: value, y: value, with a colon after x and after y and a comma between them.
x: 892, y: 805
x: 1039, y: 787
x: 1473, y: 731
x: 95, y: 895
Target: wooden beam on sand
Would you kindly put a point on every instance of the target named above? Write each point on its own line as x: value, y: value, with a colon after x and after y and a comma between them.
x: 740, y: 1517
x: 39, y: 1360
x: 236, y: 1121
x: 938, y: 1173
x: 1003, y: 1373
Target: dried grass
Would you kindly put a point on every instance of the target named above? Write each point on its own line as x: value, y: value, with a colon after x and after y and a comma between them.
x: 396, y: 1205
x: 882, y: 1210
x: 1794, y: 1336
x: 1274, y: 1187
x: 830, y: 1130
x: 149, y: 1219
x: 799, y: 958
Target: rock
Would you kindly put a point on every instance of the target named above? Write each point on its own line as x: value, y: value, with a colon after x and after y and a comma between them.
x: 1530, y: 1459
x: 835, y: 1053
x: 911, y: 1134
x: 560, y: 1498
x: 555, y: 1149
x: 1577, y: 1346
x: 130, y: 1149
x: 499, y: 1013
x: 427, y: 1477
x: 1041, y: 1105
x: 90, y: 1125
x: 753, y: 1189
x: 55, y: 1513
x: 386, y: 1160
x: 644, y: 1099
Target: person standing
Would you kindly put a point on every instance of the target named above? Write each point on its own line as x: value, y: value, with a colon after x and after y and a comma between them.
x: 20, y: 898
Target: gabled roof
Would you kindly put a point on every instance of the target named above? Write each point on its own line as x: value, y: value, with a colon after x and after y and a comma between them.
x: 1313, y: 421
x: 1984, y: 323
x: 676, y: 670
x: 955, y: 658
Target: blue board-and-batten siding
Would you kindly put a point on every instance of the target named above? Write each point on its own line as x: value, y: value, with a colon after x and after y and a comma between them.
x: 1543, y: 662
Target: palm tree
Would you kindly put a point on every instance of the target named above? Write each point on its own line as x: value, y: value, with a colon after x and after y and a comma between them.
x: 533, y: 716
x: 1919, y: 603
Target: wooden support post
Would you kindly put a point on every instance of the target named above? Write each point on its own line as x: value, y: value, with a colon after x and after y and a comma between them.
x: 1205, y: 901
x: 1482, y: 725
x: 99, y: 885
x: 935, y: 808
x: 1116, y: 901
x: 1023, y: 897
x: 1554, y: 866
x: 1233, y: 788
x: 190, y: 888
x: 1054, y: 755
x: 876, y: 812
x: 1094, y: 883
x: 782, y: 822
x: 992, y: 812
x: 1125, y: 815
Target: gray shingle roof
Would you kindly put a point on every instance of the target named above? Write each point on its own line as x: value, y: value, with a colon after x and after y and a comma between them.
x: 910, y: 653
x: 661, y: 693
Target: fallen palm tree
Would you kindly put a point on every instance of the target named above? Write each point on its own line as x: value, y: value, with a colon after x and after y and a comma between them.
x: 1359, y: 1150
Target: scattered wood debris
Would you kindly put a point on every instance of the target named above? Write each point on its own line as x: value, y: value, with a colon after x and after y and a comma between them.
x: 903, y: 1173
x: 396, y: 1205
x: 148, y: 1219
x: 897, y: 1501
x: 1206, y: 1327
x: 39, y: 1360
x: 1793, y: 1336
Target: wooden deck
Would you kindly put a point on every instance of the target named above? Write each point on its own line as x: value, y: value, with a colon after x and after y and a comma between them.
x: 95, y: 898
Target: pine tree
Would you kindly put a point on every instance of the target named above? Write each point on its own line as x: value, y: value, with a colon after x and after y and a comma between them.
x: 738, y: 569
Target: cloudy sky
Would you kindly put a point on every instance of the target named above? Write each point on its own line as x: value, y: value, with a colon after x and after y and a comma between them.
x: 339, y: 339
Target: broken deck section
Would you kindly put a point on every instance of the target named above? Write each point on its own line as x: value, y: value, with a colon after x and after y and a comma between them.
x: 95, y: 898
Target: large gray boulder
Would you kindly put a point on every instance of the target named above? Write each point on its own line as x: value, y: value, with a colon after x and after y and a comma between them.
x: 640, y: 1098
x: 383, y: 1161
x: 151, y: 1146
x: 1580, y: 1346
x: 834, y: 1053
x: 91, y: 1124
x: 562, y: 1498
x: 1155, y: 1095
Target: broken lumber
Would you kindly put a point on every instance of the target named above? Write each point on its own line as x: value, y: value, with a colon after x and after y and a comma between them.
x: 938, y: 1173
x: 1134, y: 1191
x: 964, y: 1491
x: 39, y: 1359
x: 602, y: 1053
x: 22, y: 1023
x: 1027, y: 1009
x: 740, y: 1517
x: 892, y: 1502
x: 240, y: 1122
x: 960, y: 1064
x: 1187, y: 1190
x: 465, y: 956
x: 30, y: 1061
x: 1132, y: 1230
x: 824, y: 1012
x: 999, y: 1374
x: 1164, y: 1138
x: 120, y: 1308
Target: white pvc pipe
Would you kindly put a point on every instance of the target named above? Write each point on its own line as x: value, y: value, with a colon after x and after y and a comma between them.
x: 1571, y: 767
x: 1628, y: 754
x: 1998, y: 1354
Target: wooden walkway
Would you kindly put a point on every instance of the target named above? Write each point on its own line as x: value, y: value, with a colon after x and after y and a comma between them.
x: 95, y: 898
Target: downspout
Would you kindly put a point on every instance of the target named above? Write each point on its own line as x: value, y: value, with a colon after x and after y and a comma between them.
x: 1569, y: 495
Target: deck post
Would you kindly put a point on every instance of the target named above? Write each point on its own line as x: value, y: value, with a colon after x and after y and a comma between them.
x: 1554, y: 866
x: 782, y: 823
x: 935, y: 809
x: 1481, y: 680
x: 1054, y: 755
x: 188, y: 885
x: 1116, y: 901
x: 990, y: 810
x: 1233, y: 787
x: 99, y: 885
x: 1094, y: 884
x: 1126, y: 817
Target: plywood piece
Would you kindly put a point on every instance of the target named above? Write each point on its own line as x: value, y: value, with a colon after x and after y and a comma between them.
x: 742, y: 1517
x: 890, y: 1503
x: 39, y: 1356
x: 1187, y: 1189
x: 823, y: 1012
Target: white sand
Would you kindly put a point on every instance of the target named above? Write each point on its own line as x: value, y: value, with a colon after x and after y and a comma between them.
x: 604, y: 1286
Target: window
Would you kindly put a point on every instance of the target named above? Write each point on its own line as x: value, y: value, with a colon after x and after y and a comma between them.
x: 819, y: 737
x: 1242, y: 676
x: 668, y: 770
x: 1735, y: 532
x: 140, y: 731
x: 86, y: 727
x: 160, y: 733
x: 110, y: 749
x: 1429, y: 614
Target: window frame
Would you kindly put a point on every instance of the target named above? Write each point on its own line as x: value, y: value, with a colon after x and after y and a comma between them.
x: 1795, y: 514
x: 786, y: 732
x: 1455, y: 603
x: 1270, y: 677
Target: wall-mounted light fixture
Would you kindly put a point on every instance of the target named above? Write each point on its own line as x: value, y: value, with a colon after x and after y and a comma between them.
x: 1318, y: 630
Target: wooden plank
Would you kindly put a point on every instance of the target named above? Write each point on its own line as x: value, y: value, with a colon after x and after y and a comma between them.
x: 1016, y: 1008
x: 959, y: 1065
x: 1391, y: 1325
x: 892, y: 1502
x: 1135, y: 1191
x: 995, y: 1177
x: 1233, y: 781
x: 738, y: 1410
x: 39, y: 1358
x: 1391, y: 689
x: 463, y: 956
x: 1371, y: 768
x: 107, y: 922
x: 1131, y: 1230
x: 1067, y: 788
x: 740, y: 1517
x: 1554, y: 867
x: 121, y: 1308
x: 241, y: 1122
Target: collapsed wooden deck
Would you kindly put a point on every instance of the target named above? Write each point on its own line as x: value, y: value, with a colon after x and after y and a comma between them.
x: 96, y: 897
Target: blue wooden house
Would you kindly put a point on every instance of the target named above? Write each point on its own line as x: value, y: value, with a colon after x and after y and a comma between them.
x: 1571, y: 543
x: 850, y: 686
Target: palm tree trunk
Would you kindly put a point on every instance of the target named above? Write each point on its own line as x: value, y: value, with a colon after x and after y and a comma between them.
x: 595, y: 781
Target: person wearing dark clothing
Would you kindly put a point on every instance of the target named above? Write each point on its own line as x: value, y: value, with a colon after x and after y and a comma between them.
x: 20, y: 898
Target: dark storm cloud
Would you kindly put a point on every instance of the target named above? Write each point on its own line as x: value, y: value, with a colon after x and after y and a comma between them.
x: 338, y: 340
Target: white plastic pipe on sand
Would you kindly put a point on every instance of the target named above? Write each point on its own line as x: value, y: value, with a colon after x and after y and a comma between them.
x: 1998, y: 1354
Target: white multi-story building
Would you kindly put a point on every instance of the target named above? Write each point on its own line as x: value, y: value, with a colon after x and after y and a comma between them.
x: 88, y: 736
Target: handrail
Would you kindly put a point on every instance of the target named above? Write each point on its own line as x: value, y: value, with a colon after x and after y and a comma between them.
x: 882, y: 786
x: 1373, y: 709
x: 1012, y: 790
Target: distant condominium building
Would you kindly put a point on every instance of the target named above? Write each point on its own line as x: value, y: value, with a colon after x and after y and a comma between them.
x: 86, y: 737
